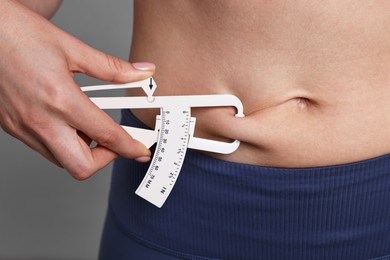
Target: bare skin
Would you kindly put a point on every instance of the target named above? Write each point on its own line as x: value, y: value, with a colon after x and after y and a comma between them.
x: 314, y: 76
x: 45, y: 8
x: 42, y: 106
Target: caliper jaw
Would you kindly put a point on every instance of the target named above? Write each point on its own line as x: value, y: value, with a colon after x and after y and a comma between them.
x: 148, y: 86
x: 174, y: 132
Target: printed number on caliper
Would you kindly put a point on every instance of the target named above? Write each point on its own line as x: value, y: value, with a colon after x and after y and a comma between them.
x: 173, y: 132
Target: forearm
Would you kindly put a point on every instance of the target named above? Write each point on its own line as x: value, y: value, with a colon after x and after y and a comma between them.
x: 46, y: 8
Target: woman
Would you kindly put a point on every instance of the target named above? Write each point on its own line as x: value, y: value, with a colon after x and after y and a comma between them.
x: 310, y: 179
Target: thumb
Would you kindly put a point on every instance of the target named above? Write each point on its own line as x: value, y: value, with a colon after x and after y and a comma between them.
x: 105, y: 67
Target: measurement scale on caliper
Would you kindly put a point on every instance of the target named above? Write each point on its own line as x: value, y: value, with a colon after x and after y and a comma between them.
x: 173, y: 133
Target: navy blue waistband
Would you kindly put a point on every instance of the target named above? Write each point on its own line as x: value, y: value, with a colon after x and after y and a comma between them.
x: 227, y: 210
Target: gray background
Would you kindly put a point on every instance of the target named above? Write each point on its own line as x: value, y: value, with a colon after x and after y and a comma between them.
x: 44, y: 213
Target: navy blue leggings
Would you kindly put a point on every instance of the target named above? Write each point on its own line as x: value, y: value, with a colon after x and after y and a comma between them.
x: 116, y: 245
x: 225, y: 210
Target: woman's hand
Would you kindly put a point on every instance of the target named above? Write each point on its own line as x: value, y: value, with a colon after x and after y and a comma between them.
x: 41, y: 105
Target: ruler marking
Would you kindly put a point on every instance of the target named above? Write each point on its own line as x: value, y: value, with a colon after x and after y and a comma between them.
x: 176, y: 133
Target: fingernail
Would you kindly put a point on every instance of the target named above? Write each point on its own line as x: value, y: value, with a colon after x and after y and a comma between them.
x: 144, y: 66
x: 143, y: 159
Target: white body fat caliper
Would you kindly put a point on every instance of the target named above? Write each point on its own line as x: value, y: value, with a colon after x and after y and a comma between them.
x: 173, y: 132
